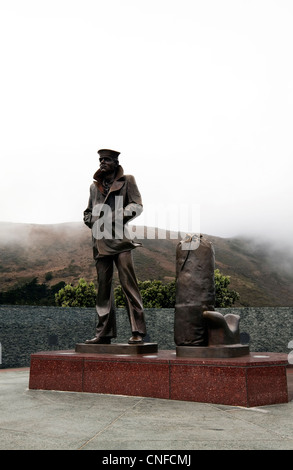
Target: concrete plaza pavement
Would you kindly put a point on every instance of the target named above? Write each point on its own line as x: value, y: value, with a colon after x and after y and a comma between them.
x: 53, y: 420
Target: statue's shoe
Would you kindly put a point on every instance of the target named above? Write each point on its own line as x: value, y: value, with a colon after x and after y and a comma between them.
x: 135, y: 339
x: 98, y: 340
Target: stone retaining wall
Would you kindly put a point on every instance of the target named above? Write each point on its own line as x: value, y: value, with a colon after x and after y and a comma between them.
x: 28, y: 329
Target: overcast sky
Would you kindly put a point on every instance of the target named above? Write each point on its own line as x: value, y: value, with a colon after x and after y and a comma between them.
x: 197, y: 95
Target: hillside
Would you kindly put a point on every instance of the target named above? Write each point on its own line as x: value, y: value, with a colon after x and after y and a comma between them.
x: 263, y: 276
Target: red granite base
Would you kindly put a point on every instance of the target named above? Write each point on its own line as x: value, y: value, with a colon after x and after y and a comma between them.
x: 253, y: 380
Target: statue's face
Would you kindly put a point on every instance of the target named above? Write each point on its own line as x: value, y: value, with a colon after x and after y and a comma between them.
x: 107, y: 165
